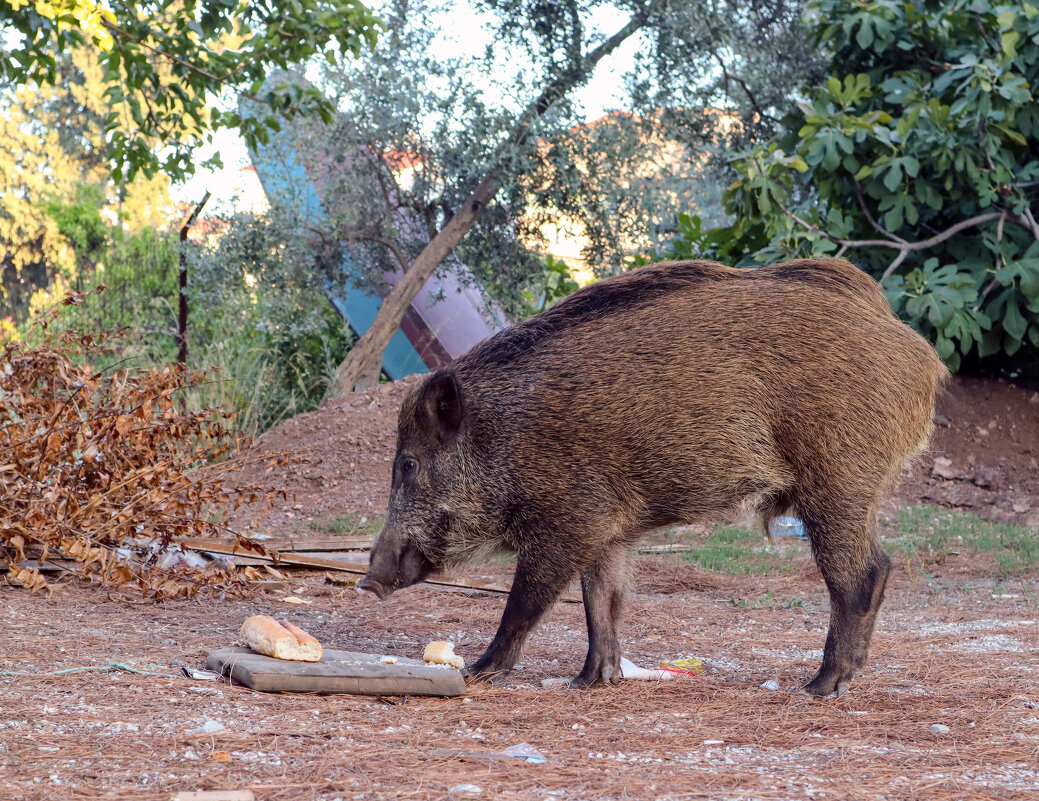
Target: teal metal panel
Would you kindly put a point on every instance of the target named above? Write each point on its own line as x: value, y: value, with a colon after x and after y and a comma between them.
x: 286, y: 184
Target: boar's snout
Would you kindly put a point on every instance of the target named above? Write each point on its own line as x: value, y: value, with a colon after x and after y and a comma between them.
x: 369, y: 584
x: 395, y: 564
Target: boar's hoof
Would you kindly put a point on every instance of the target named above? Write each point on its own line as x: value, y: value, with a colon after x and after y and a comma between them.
x: 827, y: 685
x: 604, y: 674
x: 478, y: 675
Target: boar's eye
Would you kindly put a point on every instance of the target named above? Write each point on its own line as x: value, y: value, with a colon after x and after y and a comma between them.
x: 408, y: 466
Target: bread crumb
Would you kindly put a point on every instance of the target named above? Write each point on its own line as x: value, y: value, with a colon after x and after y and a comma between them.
x: 442, y: 653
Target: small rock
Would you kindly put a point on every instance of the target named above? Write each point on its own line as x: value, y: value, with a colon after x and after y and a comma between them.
x: 1034, y: 398
x: 771, y: 684
x: 209, y: 727
x: 943, y: 468
x: 1032, y: 463
x: 466, y: 789
x: 1021, y: 508
x: 942, y: 420
x: 939, y: 728
x: 988, y: 478
x: 206, y: 691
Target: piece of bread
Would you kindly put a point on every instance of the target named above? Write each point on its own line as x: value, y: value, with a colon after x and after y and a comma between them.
x: 267, y: 636
x: 443, y: 653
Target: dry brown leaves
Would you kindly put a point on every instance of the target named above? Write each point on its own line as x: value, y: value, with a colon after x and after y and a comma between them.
x: 105, y: 468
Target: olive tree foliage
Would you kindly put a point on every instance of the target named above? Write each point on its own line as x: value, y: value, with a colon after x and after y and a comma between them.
x: 410, y: 143
x: 164, y: 61
x: 918, y: 158
x: 453, y: 157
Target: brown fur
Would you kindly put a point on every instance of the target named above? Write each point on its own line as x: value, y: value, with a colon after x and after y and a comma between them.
x: 678, y: 393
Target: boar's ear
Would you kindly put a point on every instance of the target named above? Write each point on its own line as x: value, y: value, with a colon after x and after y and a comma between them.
x: 442, y: 401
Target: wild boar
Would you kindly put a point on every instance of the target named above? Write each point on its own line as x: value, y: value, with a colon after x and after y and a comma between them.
x: 678, y: 393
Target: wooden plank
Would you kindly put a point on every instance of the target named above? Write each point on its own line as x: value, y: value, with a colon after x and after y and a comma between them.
x: 296, y: 544
x: 337, y: 672
x: 348, y: 557
x: 358, y: 564
x: 318, y: 543
x: 351, y: 563
x: 292, y: 544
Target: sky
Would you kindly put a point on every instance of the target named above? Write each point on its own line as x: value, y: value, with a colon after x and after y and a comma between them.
x: 464, y: 33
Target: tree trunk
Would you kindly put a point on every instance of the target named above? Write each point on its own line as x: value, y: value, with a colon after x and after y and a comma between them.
x: 360, y: 369
x: 362, y: 364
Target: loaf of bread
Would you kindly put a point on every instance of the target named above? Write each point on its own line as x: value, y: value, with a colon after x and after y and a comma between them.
x: 267, y: 636
x: 443, y: 653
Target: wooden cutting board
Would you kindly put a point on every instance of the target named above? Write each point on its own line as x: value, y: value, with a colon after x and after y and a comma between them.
x: 337, y: 672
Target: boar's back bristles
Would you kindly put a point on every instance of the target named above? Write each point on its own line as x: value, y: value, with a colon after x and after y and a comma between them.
x: 641, y: 287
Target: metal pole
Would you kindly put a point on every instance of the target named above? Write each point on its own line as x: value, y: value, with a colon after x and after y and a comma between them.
x: 182, y: 316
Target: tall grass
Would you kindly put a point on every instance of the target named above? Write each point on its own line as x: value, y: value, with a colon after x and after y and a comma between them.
x: 259, y: 382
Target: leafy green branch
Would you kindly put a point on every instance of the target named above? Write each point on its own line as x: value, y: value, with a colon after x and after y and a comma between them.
x: 165, y: 61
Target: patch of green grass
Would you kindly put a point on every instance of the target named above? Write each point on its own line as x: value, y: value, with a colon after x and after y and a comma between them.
x: 349, y: 525
x: 924, y: 532
x: 738, y: 552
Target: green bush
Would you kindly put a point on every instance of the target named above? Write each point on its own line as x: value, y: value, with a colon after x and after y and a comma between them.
x: 729, y: 244
x: 260, y: 315
x: 917, y: 159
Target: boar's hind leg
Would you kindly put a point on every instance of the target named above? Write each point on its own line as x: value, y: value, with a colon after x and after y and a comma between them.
x: 540, y: 579
x: 603, y: 587
x: 855, y: 569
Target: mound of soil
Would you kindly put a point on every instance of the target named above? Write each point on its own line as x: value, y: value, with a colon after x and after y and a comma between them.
x: 350, y: 444
x: 986, y: 445
x: 988, y: 431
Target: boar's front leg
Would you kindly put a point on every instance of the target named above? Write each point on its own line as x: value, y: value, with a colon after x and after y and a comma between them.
x: 540, y: 579
x: 603, y: 587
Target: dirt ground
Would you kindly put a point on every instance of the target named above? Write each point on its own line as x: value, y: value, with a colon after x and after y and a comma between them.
x: 957, y: 651
x: 953, y: 648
